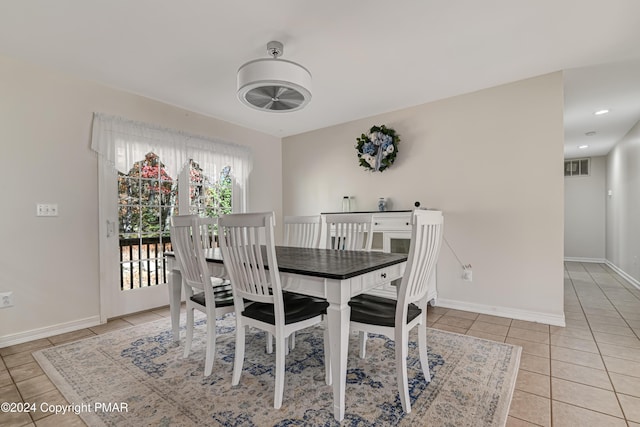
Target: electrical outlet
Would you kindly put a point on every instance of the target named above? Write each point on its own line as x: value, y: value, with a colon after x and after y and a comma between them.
x: 6, y: 299
x: 467, y: 275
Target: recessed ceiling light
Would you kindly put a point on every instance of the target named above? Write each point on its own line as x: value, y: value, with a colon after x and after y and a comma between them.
x: 590, y: 133
x: 582, y: 147
x: 601, y: 112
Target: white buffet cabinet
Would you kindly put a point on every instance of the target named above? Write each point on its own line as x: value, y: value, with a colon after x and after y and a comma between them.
x: 392, y: 233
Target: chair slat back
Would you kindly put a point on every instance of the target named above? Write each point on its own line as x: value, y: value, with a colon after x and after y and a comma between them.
x: 302, y: 231
x: 426, y: 239
x: 239, y: 236
x: 208, y: 232
x: 187, y: 245
x: 349, y: 232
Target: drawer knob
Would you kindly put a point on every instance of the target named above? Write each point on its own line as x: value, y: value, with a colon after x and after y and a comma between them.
x: 383, y: 275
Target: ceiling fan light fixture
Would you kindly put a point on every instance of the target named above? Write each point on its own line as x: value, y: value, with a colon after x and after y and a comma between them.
x: 273, y: 84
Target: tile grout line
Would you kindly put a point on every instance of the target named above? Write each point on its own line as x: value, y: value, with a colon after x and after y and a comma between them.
x: 520, y: 368
x: 632, y: 330
x: 622, y: 282
x: 615, y: 308
x: 615, y: 393
x: 528, y: 422
x: 594, y: 340
x: 550, y: 367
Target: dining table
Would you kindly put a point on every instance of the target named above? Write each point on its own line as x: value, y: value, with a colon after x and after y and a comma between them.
x: 335, y: 275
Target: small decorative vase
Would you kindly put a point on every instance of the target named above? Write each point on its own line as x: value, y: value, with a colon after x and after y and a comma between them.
x: 382, y: 204
x: 346, y: 204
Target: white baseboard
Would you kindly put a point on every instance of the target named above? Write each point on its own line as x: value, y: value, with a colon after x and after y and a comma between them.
x: 531, y: 316
x: 622, y: 273
x: 48, y: 331
x: 579, y: 259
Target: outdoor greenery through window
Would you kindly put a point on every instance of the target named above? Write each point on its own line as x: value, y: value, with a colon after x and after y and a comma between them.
x: 209, y: 199
x: 147, y: 197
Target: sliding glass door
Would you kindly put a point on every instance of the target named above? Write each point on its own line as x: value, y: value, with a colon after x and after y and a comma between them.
x: 134, y: 242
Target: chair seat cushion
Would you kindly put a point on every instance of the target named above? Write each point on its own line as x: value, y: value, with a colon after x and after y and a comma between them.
x: 296, y: 309
x: 222, y: 295
x: 374, y: 310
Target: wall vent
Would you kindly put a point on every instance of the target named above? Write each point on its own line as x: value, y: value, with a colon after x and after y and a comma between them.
x: 577, y: 167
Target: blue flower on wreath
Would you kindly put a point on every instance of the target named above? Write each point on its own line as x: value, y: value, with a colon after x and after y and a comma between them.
x: 369, y: 148
x: 378, y: 148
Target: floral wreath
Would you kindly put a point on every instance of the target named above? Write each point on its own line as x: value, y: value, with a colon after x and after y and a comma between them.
x: 378, y: 149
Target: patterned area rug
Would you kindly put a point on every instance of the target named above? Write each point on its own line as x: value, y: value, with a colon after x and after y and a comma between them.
x: 137, y: 376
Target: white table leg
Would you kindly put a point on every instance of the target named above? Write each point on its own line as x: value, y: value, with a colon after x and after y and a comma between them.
x: 338, y: 316
x: 175, y: 288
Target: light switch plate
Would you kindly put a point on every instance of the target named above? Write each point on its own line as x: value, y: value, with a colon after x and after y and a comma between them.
x: 47, y: 209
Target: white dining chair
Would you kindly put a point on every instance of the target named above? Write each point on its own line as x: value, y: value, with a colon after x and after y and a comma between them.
x: 274, y: 311
x: 208, y: 227
x: 395, y: 318
x: 302, y: 231
x: 210, y: 295
x: 349, y: 231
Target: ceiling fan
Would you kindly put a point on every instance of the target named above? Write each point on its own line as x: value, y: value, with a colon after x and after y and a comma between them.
x: 273, y: 84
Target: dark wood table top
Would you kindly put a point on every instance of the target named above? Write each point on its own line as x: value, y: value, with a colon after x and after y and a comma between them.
x: 326, y: 263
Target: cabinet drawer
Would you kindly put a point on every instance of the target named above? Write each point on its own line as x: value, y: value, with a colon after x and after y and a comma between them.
x: 376, y: 278
x: 391, y: 222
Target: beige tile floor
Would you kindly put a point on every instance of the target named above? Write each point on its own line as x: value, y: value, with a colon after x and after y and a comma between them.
x: 586, y: 374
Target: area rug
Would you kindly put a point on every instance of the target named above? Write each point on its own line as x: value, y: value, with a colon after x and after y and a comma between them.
x: 137, y: 376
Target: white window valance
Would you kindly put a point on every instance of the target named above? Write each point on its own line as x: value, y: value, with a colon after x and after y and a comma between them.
x: 121, y: 143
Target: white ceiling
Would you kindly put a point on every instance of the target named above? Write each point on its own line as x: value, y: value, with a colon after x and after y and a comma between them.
x: 366, y: 56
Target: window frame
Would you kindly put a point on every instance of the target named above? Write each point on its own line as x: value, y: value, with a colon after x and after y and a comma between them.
x: 578, y: 163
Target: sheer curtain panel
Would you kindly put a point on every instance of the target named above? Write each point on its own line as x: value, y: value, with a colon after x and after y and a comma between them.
x: 122, y: 142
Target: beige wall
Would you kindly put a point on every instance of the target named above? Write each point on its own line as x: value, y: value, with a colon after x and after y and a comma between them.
x: 52, y: 264
x: 623, y: 206
x: 461, y: 155
x: 491, y: 160
x: 584, y: 214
